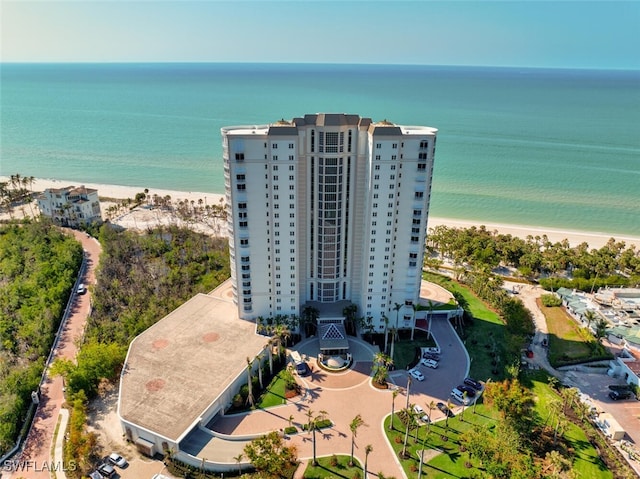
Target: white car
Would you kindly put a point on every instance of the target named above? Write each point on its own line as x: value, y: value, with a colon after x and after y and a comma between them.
x: 117, y: 459
x: 420, y: 412
x: 416, y: 374
x: 430, y: 363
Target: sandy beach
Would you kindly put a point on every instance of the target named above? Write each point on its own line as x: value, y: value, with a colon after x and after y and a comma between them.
x: 141, y: 218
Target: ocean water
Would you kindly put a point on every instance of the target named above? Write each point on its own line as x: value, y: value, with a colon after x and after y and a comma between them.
x: 556, y: 148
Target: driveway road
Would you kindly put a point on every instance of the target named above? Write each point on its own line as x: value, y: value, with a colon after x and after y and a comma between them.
x: 344, y: 395
x: 36, y: 457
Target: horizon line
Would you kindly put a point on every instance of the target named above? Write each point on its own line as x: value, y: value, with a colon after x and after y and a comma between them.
x: 207, y: 62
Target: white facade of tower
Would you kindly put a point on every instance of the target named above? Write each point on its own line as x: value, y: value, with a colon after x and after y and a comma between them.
x: 325, y: 210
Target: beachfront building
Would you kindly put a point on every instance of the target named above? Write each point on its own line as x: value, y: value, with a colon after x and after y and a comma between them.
x: 325, y: 211
x: 70, y: 206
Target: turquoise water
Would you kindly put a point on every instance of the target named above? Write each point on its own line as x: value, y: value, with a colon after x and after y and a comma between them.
x: 557, y: 148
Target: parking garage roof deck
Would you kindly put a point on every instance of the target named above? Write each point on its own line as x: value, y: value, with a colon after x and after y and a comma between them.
x: 178, y: 367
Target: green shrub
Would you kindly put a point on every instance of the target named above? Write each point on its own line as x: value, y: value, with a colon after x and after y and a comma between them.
x: 551, y: 300
x: 290, y: 430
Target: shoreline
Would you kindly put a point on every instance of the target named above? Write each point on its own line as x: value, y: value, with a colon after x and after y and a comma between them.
x: 593, y: 239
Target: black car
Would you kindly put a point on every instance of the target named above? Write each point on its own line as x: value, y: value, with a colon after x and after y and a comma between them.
x: 106, y: 470
x: 467, y: 389
x: 444, y: 409
x: 302, y: 369
x: 615, y: 395
x: 477, y: 385
x: 434, y: 356
x: 620, y: 387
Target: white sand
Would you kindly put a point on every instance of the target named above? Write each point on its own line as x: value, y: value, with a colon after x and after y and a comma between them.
x: 142, y: 219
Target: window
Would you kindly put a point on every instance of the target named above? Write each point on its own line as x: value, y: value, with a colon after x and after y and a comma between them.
x: 419, y: 195
x: 377, y: 157
x: 378, y: 146
x: 275, y: 167
x: 241, y: 187
x: 422, y: 166
x: 393, y: 157
x: 291, y: 178
x: 290, y: 146
x: 377, y: 167
x: 290, y: 157
x: 242, y: 206
x: 244, y: 241
x: 274, y: 146
x: 291, y: 167
x: 243, y: 224
x: 239, y: 156
x: 275, y: 157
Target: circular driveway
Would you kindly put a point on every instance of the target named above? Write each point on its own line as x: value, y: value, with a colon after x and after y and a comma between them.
x: 346, y: 394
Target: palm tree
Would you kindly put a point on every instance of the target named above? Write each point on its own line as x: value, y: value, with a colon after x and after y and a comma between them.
x: 408, y: 411
x: 290, y: 420
x: 238, y: 459
x: 430, y: 406
x: 450, y: 407
x: 394, y: 394
x: 259, y: 358
x: 368, y: 449
x: 589, y: 316
x: 270, y: 354
x: 381, y: 363
x: 409, y: 382
x: 312, y: 425
x: 249, y: 383
x: 354, y: 425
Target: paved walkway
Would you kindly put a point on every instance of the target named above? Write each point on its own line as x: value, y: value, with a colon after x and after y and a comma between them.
x: 344, y: 395
x: 36, y: 455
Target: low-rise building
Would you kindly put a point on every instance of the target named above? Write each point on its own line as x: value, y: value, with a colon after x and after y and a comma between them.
x: 70, y: 206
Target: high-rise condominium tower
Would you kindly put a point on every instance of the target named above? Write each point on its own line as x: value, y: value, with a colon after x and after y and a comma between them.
x: 328, y: 210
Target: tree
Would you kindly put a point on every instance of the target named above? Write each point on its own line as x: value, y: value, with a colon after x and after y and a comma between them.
x: 589, y: 316
x: 430, y: 406
x: 385, y: 319
x: 381, y: 363
x: 368, y: 449
x: 394, y: 394
x: 312, y: 426
x: 601, y: 329
x: 410, y: 416
x: 250, y: 400
x: 394, y: 330
x: 238, y: 460
x: 269, y: 454
x: 353, y: 426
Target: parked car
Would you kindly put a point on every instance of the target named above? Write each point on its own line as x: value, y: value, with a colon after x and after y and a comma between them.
x: 434, y: 356
x: 95, y: 475
x: 159, y: 476
x: 106, y: 470
x: 616, y: 395
x: 444, y: 409
x: 302, y: 369
x: 118, y: 460
x: 620, y: 387
x: 430, y: 363
x: 81, y: 289
x: 423, y: 417
x: 477, y: 385
x: 416, y: 374
x: 459, y: 396
x: 467, y: 389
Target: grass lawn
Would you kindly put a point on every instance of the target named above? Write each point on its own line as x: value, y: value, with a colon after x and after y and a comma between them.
x: 324, y: 469
x: 404, y: 352
x: 441, y: 441
x: 568, y: 342
x: 483, y: 336
x: 274, y: 394
x: 586, y: 461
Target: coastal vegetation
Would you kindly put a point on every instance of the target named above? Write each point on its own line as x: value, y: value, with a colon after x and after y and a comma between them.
x: 553, y: 264
x: 525, y: 428
x: 38, y: 268
x: 141, y: 278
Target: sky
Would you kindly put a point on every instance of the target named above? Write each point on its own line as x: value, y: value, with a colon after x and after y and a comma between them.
x: 534, y: 33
